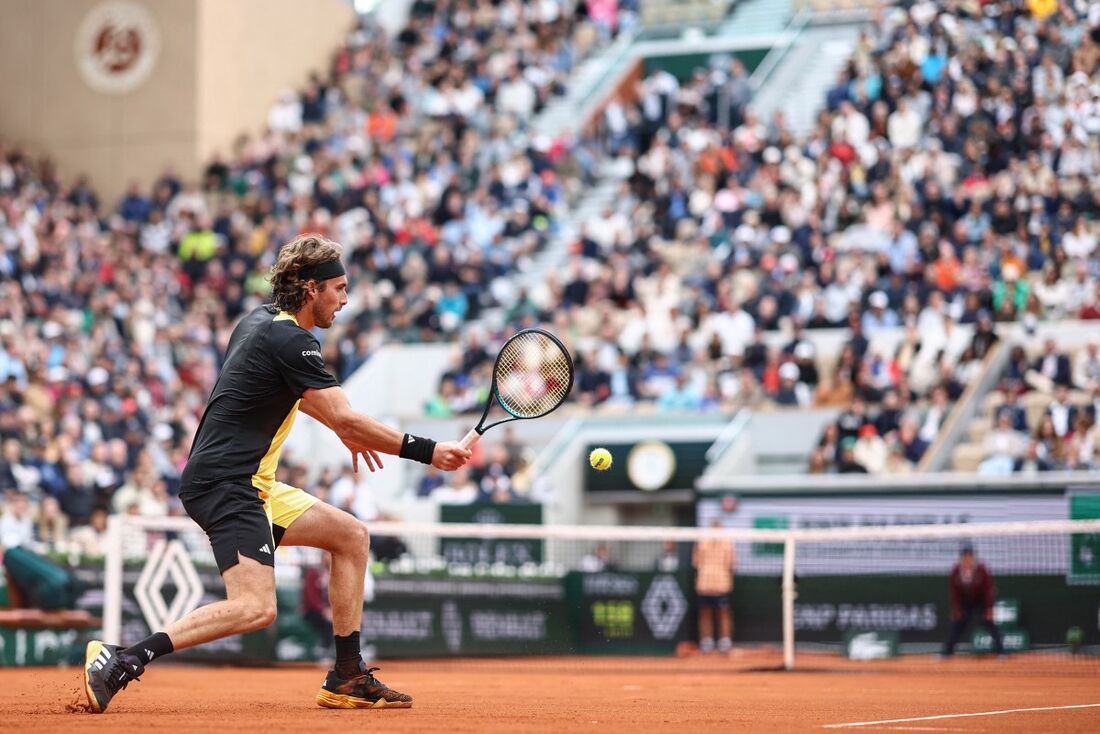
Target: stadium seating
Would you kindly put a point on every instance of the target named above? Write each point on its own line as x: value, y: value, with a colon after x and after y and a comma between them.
x: 976, y: 188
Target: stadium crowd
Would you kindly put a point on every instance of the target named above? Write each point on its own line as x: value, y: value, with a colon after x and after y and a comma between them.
x: 414, y: 152
x: 950, y: 180
x: 1064, y: 433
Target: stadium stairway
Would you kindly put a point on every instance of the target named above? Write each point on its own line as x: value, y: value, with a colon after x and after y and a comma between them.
x: 757, y: 17
x: 959, y: 446
x: 590, y: 83
x: 591, y: 78
x: 969, y: 452
x: 796, y: 85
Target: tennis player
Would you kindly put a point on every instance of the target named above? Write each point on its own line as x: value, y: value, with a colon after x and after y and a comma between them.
x: 273, y: 369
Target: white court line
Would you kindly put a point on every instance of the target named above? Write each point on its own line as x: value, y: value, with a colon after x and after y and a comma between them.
x: 960, y: 716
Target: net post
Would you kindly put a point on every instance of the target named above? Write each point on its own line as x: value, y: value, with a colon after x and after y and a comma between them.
x: 112, y: 581
x: 788, y: 603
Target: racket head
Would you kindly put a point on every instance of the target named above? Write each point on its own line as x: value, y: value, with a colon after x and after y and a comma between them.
x: 532, y: 375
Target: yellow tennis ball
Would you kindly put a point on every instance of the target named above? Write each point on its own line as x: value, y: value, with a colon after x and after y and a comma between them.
x: 600, y: 459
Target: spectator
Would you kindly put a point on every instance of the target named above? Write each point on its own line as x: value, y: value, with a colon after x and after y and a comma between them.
x: 1062, y: 414
x: 984, y: 336
x: 879, y: 316
x: 835, y: 392
x: 889, y: 415
x: 910, y: 443
x: 1032, y: 462
x: 870, y: 451
x: 792, y: 392
x: 680, y: 397
x: 934, y: 415
x: 1004, y: 442
x: 852, y: 420
x: 598, y: 561
x: 1017, y: 415
x: 1052, y: 447
x: 52, y: 525
x: 431, y: 480
x: 669, y: 559
x: 1086, y: 366
x: 1050, y: 369
x: 896, y: 462
x: 351, y: 493
x: 847, y: 463
x: 457, y: 489
x: 90, y: 540
x: 1084, y: 448
x: 16, y: 521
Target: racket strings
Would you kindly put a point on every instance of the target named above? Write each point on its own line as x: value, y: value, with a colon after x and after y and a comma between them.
x: 533, y: 375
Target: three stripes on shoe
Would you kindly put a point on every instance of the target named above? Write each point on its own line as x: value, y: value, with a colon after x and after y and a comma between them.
x: 102, y: 658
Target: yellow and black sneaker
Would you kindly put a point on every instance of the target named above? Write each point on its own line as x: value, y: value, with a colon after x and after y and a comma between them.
x: 364, y: 691
x: 106, y: 672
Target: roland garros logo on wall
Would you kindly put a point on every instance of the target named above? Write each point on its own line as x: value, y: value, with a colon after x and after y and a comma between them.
x: 117, y: 45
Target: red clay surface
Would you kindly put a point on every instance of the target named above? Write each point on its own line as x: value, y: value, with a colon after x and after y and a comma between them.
x: 568, y: 694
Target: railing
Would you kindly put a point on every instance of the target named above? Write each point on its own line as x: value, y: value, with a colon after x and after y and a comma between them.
x: 729, y: 434
x: 622, y: 50
x: 916, y: 483
x: 777, y: 53
x: 958, y: 421
x: 662, y: 13
x: 839, y: 6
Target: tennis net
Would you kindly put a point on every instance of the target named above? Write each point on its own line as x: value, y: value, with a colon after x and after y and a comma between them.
x: 805, y: 598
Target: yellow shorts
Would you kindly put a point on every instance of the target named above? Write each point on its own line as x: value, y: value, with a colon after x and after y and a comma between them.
x: 285, y: 504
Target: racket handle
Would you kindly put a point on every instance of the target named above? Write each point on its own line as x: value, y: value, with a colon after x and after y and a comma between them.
x: 470, y: 439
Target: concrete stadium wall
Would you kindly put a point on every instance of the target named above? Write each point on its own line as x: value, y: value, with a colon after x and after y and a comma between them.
x: 249, y: 51
x: 212, y: 70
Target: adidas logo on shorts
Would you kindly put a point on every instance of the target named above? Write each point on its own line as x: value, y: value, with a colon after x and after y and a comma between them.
x: 265, y: 549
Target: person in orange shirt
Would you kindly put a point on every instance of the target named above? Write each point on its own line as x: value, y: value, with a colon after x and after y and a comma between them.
x: 714, y: 561
x: 382, y: 125
x: 946, y: 269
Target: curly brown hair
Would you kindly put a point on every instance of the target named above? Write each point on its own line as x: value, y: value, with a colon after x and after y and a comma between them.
x: 288, y: 289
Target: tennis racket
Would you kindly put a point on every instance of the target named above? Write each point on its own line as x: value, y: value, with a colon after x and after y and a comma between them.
x: 532, y: 376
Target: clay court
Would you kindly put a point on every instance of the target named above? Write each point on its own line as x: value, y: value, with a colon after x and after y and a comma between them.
x: 576, y: 694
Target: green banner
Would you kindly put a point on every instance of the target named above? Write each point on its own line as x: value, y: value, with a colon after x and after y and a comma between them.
x: 426, y: 616
x: 683, y: 65
x: 916, y: 608
x: 1012, y: 640
x: 1084, y: 564
x: 649, y: 466
x: 513, y: 552
x: 629, y: 613
x: 40, y: 646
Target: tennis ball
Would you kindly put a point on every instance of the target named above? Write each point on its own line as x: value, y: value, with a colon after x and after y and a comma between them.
x: 600, y: 459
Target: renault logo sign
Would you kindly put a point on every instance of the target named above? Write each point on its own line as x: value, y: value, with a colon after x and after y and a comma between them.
x: 167, y: 559
x: 664, y: 607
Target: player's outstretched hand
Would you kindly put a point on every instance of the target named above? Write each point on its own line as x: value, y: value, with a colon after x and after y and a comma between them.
x: 371, y: 458
x: 449, y: 456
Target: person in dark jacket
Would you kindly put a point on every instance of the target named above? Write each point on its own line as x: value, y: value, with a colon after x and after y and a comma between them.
x: 971, y: 586
x: 984, y: 336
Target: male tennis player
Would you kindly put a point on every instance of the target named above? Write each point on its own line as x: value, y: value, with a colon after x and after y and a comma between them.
x: 273, y: 368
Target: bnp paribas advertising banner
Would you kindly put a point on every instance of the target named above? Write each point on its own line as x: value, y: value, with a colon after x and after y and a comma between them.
x: 1077, y: 558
